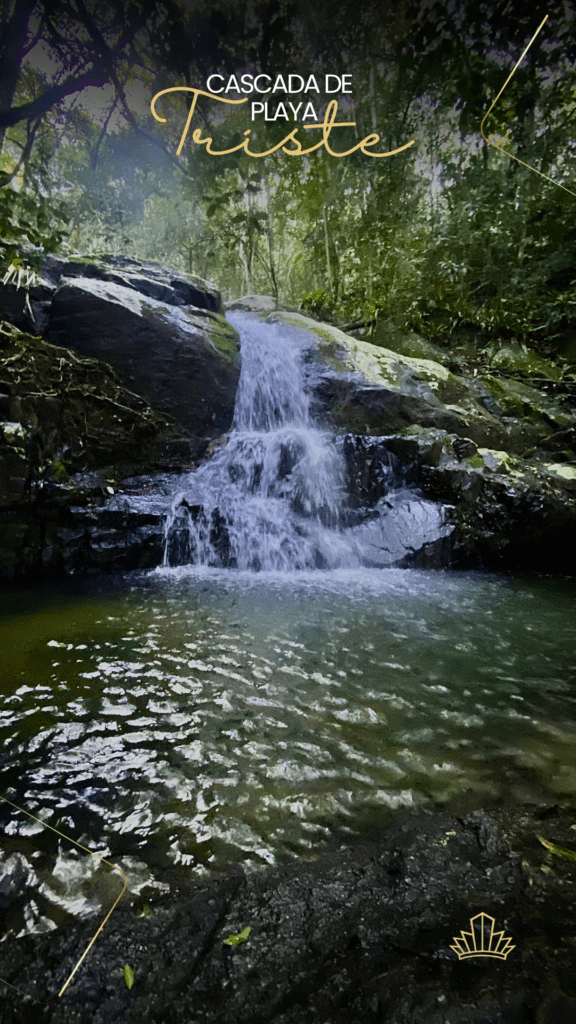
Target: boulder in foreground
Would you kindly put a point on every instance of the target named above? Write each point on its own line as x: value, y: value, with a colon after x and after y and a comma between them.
x: 364, y: 935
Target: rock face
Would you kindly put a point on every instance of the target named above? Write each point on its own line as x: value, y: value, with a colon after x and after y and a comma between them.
x: 161, y: 330
x: 364, y: 935
x: 139, y: 375
x: 258, y: 304
x: 70, y: 427
x: 68, y: 430
x: 507, y: 512
x: 369, y: 389
x: 497, y: 449
x: 409, y: 532
x: 158, y: 282
x: 163, y: 334
x: 487, y: 458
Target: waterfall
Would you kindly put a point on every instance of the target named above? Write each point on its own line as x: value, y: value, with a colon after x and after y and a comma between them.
x: 272, y: 496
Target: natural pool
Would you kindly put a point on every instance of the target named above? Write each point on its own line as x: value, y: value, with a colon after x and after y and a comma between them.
x: 186, y: 720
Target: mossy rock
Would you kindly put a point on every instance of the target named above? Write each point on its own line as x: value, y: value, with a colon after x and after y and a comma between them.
x: 562, y: 473
x: 521, y: 360
x: 406, y: 343
x: 58, y: 472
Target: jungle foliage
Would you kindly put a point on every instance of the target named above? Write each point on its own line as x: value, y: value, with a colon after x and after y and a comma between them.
x: 451, y: 235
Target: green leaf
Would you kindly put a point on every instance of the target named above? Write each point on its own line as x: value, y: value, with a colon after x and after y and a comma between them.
x: 128, y: 975
x: 238, y: 938
x: 145, y: 912
x: 558, y: 850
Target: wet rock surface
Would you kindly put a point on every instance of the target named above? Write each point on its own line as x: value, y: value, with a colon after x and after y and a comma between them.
x: 29, y: 310
x: 507, y: 512
x: 363, y: 935
x: 373, y: 390
x: 163, y: 331
x: 497, y: 449
x: 406, y: 532
x: 489, y: 460
x: 71, y: 428
x: 68, y: 431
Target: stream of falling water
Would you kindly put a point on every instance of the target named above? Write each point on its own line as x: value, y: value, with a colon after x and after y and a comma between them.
x: 271, y: 497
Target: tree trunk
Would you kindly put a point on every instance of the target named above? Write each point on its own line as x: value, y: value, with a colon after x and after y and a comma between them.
x: 12, y: 45
x: 271, y: 244
x: 328, y: 263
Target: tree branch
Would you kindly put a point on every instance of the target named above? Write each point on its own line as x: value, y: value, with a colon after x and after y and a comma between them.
x: 50, y: 97
x: 101, y: 137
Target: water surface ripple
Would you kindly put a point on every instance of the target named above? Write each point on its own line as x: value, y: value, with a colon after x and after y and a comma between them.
x: 201, y: 717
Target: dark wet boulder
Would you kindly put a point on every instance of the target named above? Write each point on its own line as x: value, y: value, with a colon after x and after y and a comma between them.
x: 366, y: 934
x: 405, y: 531
x: 368, y: 389
x: 174, y: 287
x: 508, y: 512
x: 68, y: 431
x: 183, y: 359
x: 26, y: 304
x: 162, y: 330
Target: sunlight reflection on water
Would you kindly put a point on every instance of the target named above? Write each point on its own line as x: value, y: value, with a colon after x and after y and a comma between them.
x: 200, y: 717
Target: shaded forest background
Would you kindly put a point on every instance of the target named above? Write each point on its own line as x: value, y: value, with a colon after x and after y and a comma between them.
x: 448, y: 238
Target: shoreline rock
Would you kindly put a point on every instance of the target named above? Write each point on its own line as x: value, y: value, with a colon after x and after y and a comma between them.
x: 142, y: 380
x: 362, y: 935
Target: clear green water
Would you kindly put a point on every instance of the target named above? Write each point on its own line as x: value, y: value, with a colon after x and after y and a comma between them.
x: 194, y: 719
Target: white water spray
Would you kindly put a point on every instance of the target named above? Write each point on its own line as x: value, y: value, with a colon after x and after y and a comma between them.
x: 271, y: 497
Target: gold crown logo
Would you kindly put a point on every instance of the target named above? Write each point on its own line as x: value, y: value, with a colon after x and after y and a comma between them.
x: 482, y: 940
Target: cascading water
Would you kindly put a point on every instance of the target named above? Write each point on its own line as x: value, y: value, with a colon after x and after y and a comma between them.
x: 271, y: 497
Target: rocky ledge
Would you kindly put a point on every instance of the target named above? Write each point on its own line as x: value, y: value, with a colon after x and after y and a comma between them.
x: 363, y: 935
x: 136, y: 376
x: 493, y: 443
x: 135, y: 371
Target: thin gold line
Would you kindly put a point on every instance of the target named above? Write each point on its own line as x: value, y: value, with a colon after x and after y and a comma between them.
x: 494, y: 102
x: 85, y: 848
x: 22, y: 993
x: 493, y: 920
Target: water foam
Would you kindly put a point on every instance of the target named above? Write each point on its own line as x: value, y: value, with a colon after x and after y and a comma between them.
x: 270, y: 498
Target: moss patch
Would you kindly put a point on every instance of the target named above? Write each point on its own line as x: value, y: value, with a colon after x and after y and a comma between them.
x: 224, y: 338
x: 516, y: 398
x: 377, y: 365
x: 520, y: 360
